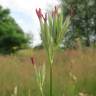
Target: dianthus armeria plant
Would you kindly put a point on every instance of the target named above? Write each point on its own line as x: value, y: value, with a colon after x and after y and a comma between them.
x: 40, y: 74
x: 53, y: 27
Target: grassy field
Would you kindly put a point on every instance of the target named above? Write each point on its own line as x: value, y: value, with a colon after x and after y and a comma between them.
x: 74, y: 73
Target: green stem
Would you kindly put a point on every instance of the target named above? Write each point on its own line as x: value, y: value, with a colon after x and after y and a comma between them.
x: 51, y: 78
x: 50, y: 59
x: 41, y: 91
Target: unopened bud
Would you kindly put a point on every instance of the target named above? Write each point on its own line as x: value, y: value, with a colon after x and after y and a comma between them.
x: 33, y: 60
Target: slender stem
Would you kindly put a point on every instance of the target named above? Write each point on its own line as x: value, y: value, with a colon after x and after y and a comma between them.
x: 50, y: 59
x: 51, y: 69
x: 50, y: 79
x: 41, y: 91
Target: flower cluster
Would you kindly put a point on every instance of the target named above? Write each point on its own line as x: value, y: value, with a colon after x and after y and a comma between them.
x: 53, y: 28
x: 44, y: 16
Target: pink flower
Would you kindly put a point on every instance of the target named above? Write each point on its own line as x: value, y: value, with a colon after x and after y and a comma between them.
x: 33, y: 60
x: 39, y: 13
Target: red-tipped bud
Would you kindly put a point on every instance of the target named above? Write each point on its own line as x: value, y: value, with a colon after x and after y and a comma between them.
x: 39, y: 13
x: 33, y: 60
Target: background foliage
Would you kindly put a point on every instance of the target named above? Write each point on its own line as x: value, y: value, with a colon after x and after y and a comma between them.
x: 12, y: 36
x: 83, y: 21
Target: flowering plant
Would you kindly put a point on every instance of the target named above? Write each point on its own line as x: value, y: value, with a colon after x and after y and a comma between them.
x: 40, y: 74
x: 53, y: 28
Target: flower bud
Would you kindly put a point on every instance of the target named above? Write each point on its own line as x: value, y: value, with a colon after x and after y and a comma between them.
x: 33, y: 60
x: 39, y: 13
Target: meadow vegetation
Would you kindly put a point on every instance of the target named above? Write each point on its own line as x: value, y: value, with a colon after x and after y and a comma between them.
x: 74, y: 73
x: 70, y: 71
